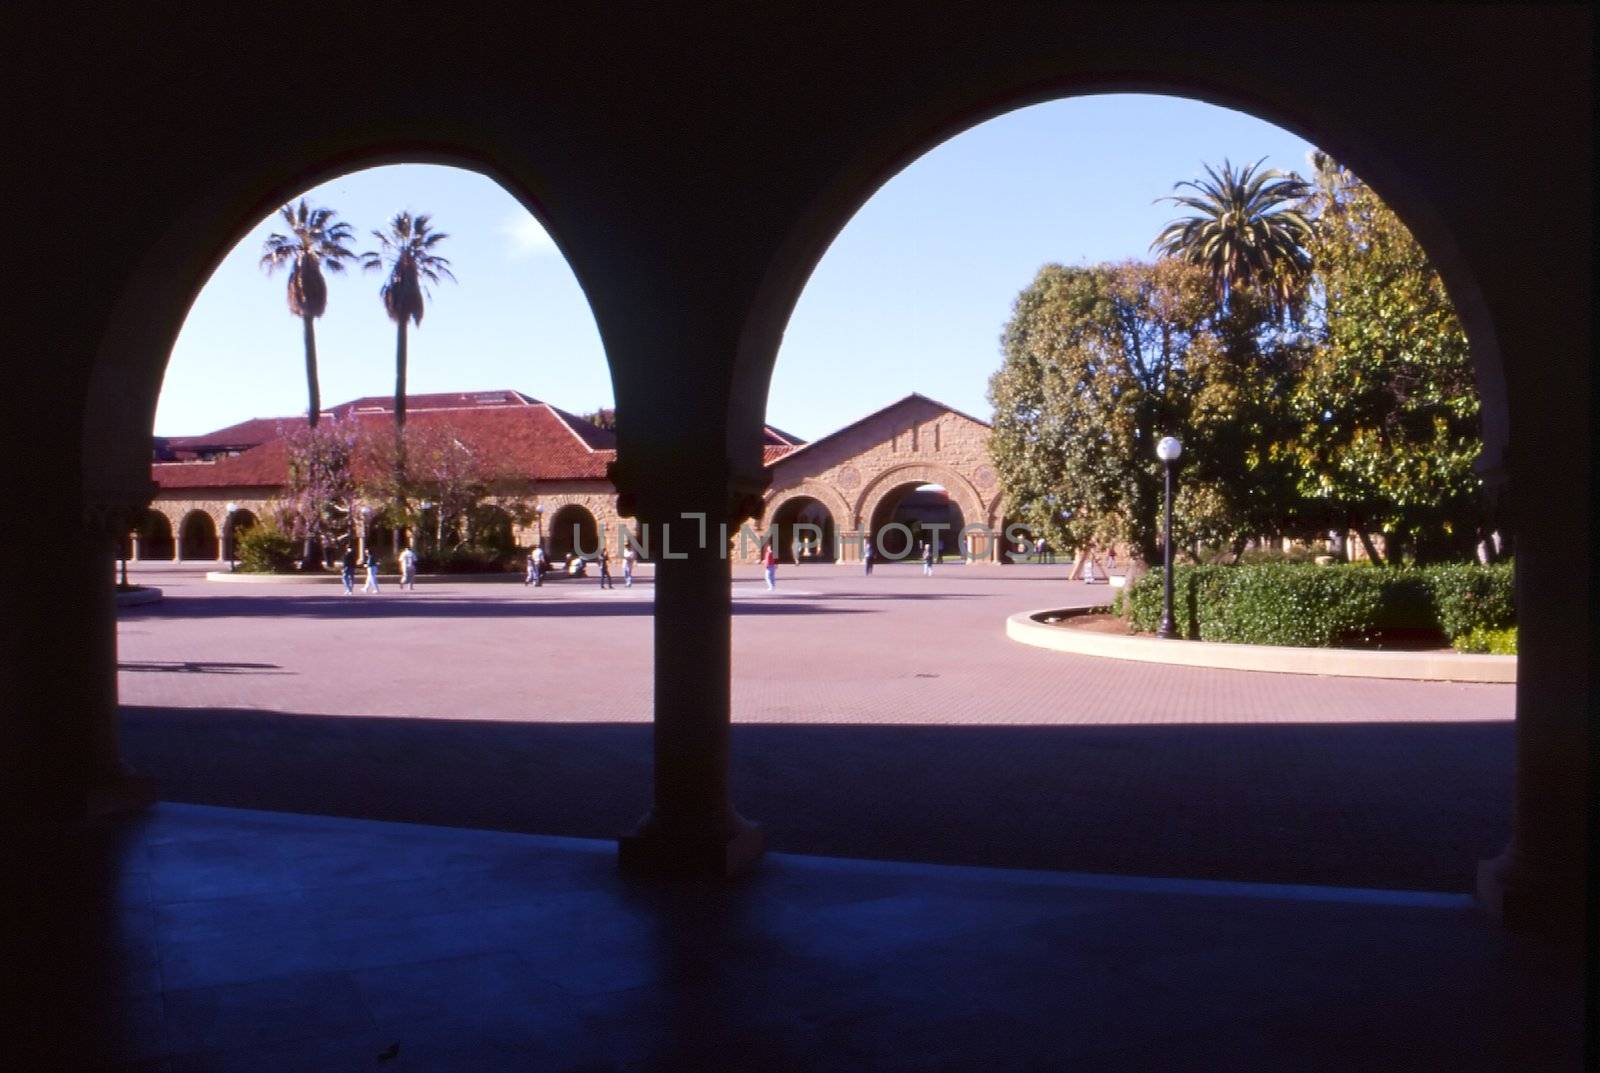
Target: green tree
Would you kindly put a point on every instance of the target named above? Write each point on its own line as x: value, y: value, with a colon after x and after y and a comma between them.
x: 317, y: 240
x: 1099, y: 363
x: 1248, y: 231
x: 1387, y: 408
x: 406, y: 255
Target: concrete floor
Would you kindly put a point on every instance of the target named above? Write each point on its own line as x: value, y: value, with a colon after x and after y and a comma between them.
x: 203, y: 939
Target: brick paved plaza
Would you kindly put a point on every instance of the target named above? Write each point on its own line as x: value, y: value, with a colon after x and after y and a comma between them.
x: 875, y: 717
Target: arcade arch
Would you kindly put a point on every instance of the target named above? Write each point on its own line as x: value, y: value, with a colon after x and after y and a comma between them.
x: 571, y: 530
x: 235, y: 526
x: 803, y: 530
x: 197, y: 537
x: 807, y: 197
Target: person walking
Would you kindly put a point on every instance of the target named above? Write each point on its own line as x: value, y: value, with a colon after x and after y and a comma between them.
x: 605, y: 570
x: 408, y: 569
x: 927, y: 559
x: 630, y: 556
x: 539, y: 565
x: 371, y: 561
x: 769, y: 566
x: 347, y: 571
x: 866, y: 558
x: 532, y: 573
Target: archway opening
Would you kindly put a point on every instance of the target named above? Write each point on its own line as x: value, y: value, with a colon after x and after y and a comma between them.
x: 572, y: 532
x: 803, y: 531
x: 238, y: 523
x: 153, y: 539
x: 468, y: 466
x: 197, y: 537
x: 1056, y: 212
x: 912, y: 516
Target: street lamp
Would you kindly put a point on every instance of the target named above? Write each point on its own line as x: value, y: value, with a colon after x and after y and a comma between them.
x: 1168, y: 450
x: 227, y: 533
x: 538, y: 519
x: 366, y: 531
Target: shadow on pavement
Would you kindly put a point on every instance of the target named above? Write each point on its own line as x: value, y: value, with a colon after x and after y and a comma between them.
x: 420, y: 605
x: 1405, y: 806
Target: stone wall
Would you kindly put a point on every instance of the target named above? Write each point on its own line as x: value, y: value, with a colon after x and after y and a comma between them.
x: 914, y: 441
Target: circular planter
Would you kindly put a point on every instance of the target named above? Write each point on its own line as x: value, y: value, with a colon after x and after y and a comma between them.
x: 1029, y: 628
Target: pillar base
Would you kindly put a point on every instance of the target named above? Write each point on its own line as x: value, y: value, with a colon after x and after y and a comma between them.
x: 715, y: 850
x: 1518, y: 899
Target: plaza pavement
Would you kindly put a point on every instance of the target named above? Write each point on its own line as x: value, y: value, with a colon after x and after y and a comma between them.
x: 882, y: 717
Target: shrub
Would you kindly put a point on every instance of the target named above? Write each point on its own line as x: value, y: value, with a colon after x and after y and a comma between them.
x: 1492, y: 642
x: 1297, y: 604
x: 1495, y: 642
x: 465, y: 559
x: 265, y: 549
x: 1284, y: 604
x: 1470, y: 597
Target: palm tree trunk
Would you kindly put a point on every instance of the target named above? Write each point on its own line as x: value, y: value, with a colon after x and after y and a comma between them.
x: 400, y: 374
x: 311, y: 553
x: 313, y: 393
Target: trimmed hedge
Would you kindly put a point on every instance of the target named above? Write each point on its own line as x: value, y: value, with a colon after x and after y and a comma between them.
x: 1494, y: 642
x: 1322, y: 606
x: 464, y: 559
x: 263, y: 549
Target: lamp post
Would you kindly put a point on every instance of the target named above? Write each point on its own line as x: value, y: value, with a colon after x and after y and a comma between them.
x: 227, y: 534
x: 423, y: 508
x: 366, y: 531
x: 538, y: 520
x: 1168, y: 450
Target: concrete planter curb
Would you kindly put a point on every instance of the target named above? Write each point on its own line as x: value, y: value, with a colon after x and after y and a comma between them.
x: 1028, y: 628
x: 146, y: 595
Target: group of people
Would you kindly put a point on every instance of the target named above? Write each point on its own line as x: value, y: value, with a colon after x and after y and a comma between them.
x: 369, y: 561
x: 578, y: 566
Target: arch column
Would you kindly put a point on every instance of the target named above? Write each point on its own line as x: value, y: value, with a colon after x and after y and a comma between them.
x: 674, y: 473
x: 60, y: 758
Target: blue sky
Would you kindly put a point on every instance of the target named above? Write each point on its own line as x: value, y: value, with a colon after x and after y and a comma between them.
x: 911, y: 296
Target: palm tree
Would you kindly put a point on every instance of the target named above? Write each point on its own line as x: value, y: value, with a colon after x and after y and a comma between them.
x: 316, y: 241
x: 406, y: 253
x: 1250, y: 231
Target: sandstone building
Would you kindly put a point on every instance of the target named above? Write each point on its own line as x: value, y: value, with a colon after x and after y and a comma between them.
x: 914, y: 470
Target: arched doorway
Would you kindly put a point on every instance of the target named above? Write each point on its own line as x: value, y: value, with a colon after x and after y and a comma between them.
x: 153, y: 538
x: 236, y: 525
x: 909, y: 515
x: 197, y: 537
x: 803, y: 531
x: 573, y: 531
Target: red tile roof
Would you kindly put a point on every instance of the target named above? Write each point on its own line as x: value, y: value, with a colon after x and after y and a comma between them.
x: 770, y: 453
x: 520, y: 437
x: 518, y: 433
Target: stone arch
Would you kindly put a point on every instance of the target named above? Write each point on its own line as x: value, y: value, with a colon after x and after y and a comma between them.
x: 197, y: 537
x: 837, y: 507
x: 935, y: 122
x: 572, y: 529
x: 963, y: 494
x: 234, y: 526
x: 782, y: 524
x: 130, y: 363
x: 153, y: 537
